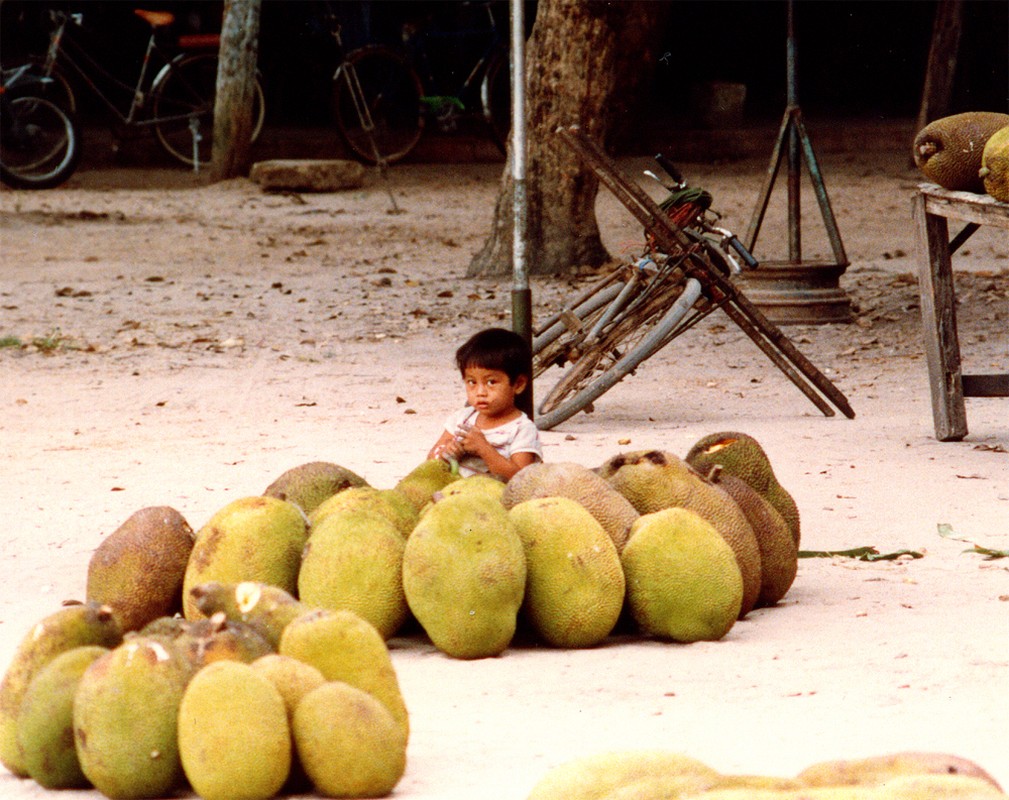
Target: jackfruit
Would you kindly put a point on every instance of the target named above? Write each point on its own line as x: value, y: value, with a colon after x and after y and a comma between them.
x: 138, y: 568
x: 683, y: 582
x: 348, y: 742
x: 308, y: 485
x: 391, y: 504
x: 594, y: 777
x: 486, y: 485
x: 46, y: 722
x: 251, y: 539
x: 203, y: 641
x: 234, y: 738
x: 915, y: 787
x: 125, y: 720
x: 73, y: 626
x: 994, y: 170
x: 948, y: 150
x: 779, y: 557
x: 574, y: 579
x: 579, y: 483
x: 264, y: 608
x: 741, y: 455
x: 345, y: 647
x: 291, y: 677
x: 425, y: 479
x: 655, y: 479
x: 354, y: 560
x: 464, y: 575
x: 880, y: 769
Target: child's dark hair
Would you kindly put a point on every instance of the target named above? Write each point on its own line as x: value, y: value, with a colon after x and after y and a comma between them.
x: 496, y: 348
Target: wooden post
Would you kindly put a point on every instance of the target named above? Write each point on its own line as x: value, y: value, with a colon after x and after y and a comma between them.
x: 937, y: 93
x: 233, y: 123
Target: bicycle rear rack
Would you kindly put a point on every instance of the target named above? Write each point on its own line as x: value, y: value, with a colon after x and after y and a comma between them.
x: 718, y: 289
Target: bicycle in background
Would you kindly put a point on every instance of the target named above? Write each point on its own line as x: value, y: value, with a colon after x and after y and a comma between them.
x: 39, y: 142
x: 173, y: 93
x: 384, y: 97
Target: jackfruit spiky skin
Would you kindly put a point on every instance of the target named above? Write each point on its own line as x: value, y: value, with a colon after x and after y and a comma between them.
x: 391, y: 504
x: 345, y: 647
x: 481, y: 484
x: 425, y: 479
x: 291, y: 677
x: 308, y: 485
x: 354, y: 560
x: 125, y: 720
x: 595, y: 777
x: 565, y: 479
x: 874, y: 770
x: 46, y: 723
x: 994, y: 170
x: 203, y: 641
x: 683, y: 582
x: 256, y: 539
x: 72, y: 626
x: 656, y: 479
x: 348, y: 742
x: 234, y: 738
x: 779, y: 557
x: 574, y: 579
x: 464, y: 575
x: 905, y: 787
x: 948, y: 150
x: 741, y: 455
x: 264, y: 608
x: 138, y: 569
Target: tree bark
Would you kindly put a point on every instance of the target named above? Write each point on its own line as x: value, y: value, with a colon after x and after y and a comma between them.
x: 585, y: 60
x: 236, y: 71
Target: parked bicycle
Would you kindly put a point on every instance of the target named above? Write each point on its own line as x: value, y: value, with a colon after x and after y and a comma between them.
x: 684, y: 273
x: 384, y: 97
x: 39, y: 142
x: 173, y: 93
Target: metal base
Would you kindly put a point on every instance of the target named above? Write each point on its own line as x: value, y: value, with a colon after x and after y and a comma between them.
x: 798, y: 293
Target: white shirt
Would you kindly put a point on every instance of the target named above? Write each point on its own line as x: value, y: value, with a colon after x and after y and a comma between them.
x: 520, y: 435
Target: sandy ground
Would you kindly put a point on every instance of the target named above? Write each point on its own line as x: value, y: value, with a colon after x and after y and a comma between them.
x: 185, y: 344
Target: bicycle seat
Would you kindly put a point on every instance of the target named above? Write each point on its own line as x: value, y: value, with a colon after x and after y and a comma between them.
x: 156, y: 19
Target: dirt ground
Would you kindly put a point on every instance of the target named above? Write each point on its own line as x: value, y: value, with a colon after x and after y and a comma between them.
x: 172, y: 343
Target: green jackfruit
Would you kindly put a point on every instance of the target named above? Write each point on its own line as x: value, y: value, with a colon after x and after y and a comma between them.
x: 234, y: 738
x: 464, y: 574
x: 46, y: 724
x: 874, y: 770
x: 354, y: 560
x: 949, y: 150
x: 345, y: 647
x: 138, y: 568
x: 994, y: 170
x: 683, y: 582
x: 309, y: 485
x: 392, y: 504
x: 741, y: 455
x: 203, y: 641
x: 425, y: 479
x: 251, y: 539
x: 125, y: 720
x: 566, y: 479
x: 264, y: 608
x: 574, y: 580
x: 72, y: 626
x: 655, y: 479
x: 291, y: 677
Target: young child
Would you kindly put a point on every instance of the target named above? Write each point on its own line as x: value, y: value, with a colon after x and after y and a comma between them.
x: 491, y: 435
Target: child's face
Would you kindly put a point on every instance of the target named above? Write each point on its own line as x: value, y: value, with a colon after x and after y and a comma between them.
x: 490, y: 391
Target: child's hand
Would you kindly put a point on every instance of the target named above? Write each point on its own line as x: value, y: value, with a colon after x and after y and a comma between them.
x: 473, y: 441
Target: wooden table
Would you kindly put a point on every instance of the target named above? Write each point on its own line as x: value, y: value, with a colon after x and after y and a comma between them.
x: 933, y: 207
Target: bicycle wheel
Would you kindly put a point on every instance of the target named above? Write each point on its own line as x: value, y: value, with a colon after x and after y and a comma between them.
x: 630, y: 342
x: 39, y: 145
x: 376, y: 104
x: 496, y: 98
x: 183, y: 108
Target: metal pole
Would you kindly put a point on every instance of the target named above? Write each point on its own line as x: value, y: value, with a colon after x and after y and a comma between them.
x: 794, y: 165
x: 521, y: 294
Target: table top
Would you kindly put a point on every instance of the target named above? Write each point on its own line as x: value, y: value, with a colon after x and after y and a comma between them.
x: 982, y: 209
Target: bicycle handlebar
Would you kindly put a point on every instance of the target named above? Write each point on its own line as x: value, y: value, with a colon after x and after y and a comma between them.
x: 670, y: 170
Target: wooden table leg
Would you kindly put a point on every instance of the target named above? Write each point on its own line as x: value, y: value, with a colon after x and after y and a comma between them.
x: 938, y: 317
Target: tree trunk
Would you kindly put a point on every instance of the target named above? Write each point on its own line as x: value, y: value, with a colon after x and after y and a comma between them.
x: 232, y: 146
x: 585, y: 60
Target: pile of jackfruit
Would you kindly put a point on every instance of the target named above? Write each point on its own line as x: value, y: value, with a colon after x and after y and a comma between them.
x: 250, y: 657
x: 966, y: 152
